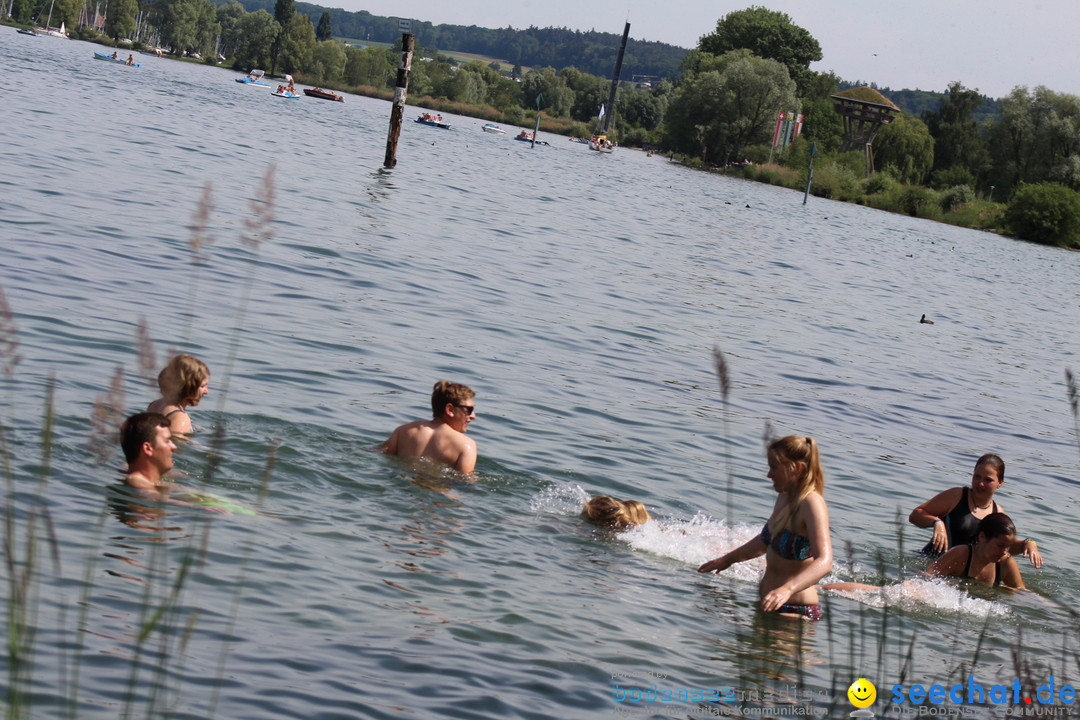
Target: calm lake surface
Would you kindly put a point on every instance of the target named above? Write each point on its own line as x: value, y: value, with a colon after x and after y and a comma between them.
x: 581, y: 295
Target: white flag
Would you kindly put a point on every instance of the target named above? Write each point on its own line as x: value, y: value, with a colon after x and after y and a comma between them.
x: 601, y: 111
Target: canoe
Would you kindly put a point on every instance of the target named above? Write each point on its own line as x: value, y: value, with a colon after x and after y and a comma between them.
x: 110, y: 58
x: 323, y: 94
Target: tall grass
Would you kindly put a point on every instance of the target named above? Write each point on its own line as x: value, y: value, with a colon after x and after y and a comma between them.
x: 165, y: 622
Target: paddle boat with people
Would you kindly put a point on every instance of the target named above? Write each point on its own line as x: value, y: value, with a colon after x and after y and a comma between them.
x: 323, y: 94
x: 255, y: 77
x: 130, y: 62
x: 287, y: 94
x: 527, y: 136
x: 433, y: 121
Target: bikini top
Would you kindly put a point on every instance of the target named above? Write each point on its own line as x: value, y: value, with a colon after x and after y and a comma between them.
x: 173, y: 412
x: 787, y: 544
x: 967, y: 568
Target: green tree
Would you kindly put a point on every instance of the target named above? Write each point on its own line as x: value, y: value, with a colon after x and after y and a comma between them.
x: 374, y: 66
x: 732, y: 103
x: 957, y: 141
x: 558, y: 99
x: 298, y: 44
x: 328, y: 60
x: 768, y: 34
x: 905, y: 149
x: 1045, y: 213
x: 229, y: 17
x: 258, y: 33
x: 325, y: 30
x: 283, y: 13
x: 1037, y: 138
x: 120, y: 21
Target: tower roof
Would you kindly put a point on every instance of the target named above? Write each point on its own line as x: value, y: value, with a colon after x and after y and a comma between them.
x: 867, y: 95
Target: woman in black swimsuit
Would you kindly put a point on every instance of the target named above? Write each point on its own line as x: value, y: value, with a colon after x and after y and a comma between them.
x: 183, y: 383
x: 955, y: 513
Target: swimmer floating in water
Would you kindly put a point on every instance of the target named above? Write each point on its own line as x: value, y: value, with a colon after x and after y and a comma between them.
x: 986, y: 560
x: 606, y: 510
x: 795, y: 540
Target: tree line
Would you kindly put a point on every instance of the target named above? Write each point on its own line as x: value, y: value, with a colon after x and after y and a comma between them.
x: 592, y: 52
x: 720, y: 107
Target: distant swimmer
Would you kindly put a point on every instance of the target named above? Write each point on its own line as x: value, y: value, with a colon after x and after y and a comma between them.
x: 183, y: 383
x: 442, y: 439
x: 924, y: 321
x: 606, y: 510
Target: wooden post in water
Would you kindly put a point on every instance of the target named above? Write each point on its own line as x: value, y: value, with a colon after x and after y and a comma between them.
x: 397, y: 111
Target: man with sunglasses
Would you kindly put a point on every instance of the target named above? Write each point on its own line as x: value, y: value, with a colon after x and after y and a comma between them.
x: 441, y: 439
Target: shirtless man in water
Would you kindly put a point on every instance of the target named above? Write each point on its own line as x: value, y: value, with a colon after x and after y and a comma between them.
x: 441, y: 439
x: 146, y: 439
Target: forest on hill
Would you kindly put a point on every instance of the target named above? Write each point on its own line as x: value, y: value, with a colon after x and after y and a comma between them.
x: 592, y: 52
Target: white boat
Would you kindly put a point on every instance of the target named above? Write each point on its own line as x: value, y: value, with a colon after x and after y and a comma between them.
x: 60, y: 32
x: 493, y: 128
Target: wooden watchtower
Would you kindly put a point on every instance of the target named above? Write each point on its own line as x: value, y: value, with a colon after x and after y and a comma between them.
x: 864, y: 110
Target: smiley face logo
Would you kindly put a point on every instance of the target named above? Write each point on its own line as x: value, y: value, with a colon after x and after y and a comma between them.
x: 862, y: 693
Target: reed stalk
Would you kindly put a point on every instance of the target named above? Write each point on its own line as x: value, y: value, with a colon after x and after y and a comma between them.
x: 724, y: 380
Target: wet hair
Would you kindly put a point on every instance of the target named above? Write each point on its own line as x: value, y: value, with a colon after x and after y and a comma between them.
x: 993, y: 461
x: 138, y: 429
x: 618, y: 513
x: 790, y: 450
x: 448, y: 392
x: 179, y: 381
x: 996, y: 525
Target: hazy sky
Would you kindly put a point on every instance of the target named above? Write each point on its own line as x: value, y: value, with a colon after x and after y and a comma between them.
x: 991, y: 45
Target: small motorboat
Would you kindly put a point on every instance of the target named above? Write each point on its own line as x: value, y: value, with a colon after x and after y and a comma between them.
x: 110, y: 58
x: 23, y: 31
x: 323, y: 94
x: 584, y: 141
x: 493, y: 128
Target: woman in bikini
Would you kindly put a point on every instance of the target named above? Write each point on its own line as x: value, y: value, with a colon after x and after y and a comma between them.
x: 955, y: 513
x: 795, y: 540
x: 985, y: 560
x: 183, y: 383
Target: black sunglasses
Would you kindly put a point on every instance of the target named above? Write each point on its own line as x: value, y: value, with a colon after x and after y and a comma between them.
x: 469, y: 409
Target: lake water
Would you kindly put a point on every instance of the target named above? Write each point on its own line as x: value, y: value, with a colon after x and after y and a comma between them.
x: 581, y: 295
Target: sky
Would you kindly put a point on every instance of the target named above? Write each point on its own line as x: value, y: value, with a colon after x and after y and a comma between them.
x: 988, y: 45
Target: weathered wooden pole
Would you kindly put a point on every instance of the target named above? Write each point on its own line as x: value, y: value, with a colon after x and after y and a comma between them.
x: 397, y: 111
